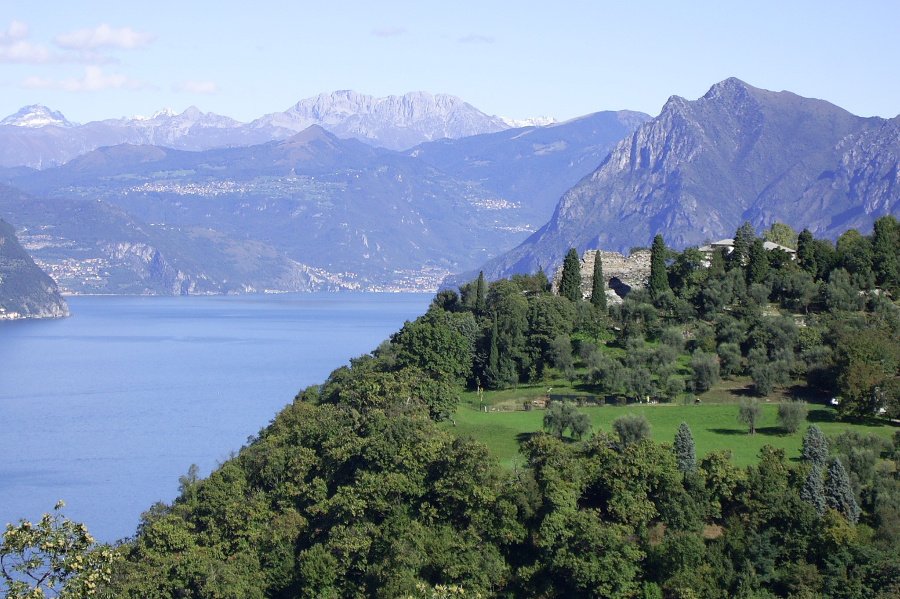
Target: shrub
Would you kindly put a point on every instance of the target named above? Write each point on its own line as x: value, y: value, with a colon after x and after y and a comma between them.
x: 792, y: 414
x: 631, y: 428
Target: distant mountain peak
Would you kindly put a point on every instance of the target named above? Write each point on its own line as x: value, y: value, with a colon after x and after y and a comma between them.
x: 395, y: 122
x: 308, y: 135
x: 164, y: 113
x: 675, y: 104
x: 37, y: 115
x: 732, y: 90
x: 535, y: 121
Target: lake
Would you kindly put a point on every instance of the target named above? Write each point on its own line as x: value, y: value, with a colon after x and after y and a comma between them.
x: 107, y: 408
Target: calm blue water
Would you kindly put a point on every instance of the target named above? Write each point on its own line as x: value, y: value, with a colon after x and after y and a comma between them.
x: 106, y: 409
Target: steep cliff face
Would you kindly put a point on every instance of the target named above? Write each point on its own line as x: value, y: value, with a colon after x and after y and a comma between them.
x: 25, y: 290
x: 701, y: 168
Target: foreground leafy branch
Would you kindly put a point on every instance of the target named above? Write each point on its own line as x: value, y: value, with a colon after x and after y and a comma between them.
x: 53, y: 557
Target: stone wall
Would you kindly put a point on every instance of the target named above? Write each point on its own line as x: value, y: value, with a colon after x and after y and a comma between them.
x: 622, y: 273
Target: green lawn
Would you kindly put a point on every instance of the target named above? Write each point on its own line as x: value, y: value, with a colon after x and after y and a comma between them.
x: 714, y: 426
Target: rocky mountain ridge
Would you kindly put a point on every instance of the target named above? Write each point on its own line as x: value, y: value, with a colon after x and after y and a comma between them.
x: 702, y: 167
x: 39, y: 137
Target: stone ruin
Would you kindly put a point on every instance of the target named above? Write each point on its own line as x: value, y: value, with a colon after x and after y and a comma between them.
x: 622, y: 273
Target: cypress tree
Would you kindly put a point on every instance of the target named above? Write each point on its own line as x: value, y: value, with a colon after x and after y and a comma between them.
x: 757, y: 262
x: 806, y: 252
x: 570, y: 280
x: 839, y: 494
x: 542, y: 280
x: 815, y: 447
x: 813, y: 491
x: 492, y: 371
x: 743, y: 239
x: 717, y: 264
x: 480, y: 294
x: 598, y: 285
x: 685, y: 455
x: 886, y: 252
x: 659, y: 279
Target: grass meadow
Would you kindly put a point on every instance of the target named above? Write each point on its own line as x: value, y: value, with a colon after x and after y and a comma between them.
x: 713, y: 422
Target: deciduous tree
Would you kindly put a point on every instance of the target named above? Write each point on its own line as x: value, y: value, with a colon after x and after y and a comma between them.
x: 53, y: 557
x: 749, y: 412
x: 791, y: 414
x: 631, y: 429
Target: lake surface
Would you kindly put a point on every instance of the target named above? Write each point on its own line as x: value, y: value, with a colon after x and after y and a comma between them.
x: 107, y: 408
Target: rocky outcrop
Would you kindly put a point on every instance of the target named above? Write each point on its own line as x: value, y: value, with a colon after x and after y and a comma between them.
x: 622, y: 273
x: 702, y: 167
x: 25, y: 290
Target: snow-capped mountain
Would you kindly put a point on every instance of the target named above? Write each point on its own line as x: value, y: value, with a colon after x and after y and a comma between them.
x: 39, y: 137
x: 189, y: 130
x: 36, y: 115
x: 536, y: 121
x: 395, y: 122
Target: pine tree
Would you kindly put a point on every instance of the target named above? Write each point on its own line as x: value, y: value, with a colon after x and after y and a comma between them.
x: 838, y: 493
x: 757, y: 262
x: 659, y: 279
x: 480, y: 294
x: 598, y: 285
x: 685, y: 455
x: 570, y: 280
x: 813, y: 491
x: 815, y: 447
x: 806, y: 252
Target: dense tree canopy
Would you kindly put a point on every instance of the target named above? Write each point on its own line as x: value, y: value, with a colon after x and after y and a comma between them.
x: 358, y: 489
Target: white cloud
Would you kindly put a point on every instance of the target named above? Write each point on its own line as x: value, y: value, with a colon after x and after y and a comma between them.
x: 16, y: 31
x: 388, y: 31
x: 15, y: 48
x: 197, y: 87
x: 475, y: 38
x: 103, y: 36
x: 25, y: 52
x: 94, y: 79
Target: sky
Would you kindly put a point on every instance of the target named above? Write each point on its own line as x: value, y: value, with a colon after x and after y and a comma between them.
x: 108, y: 59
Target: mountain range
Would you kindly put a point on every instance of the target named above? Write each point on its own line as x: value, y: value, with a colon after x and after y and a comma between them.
x: 327, y: 212
x: 702, y: 167
x: 39, y: 137
x: 268, y: 208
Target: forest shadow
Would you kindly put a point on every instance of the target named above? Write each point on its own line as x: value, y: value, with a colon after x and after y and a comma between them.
x: 522, y: 438
x: 821, y: 415
x: 728, y: 431
x: 769, y: 431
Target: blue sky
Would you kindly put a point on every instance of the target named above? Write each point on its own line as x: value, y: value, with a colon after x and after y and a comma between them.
x: 517, y: 59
